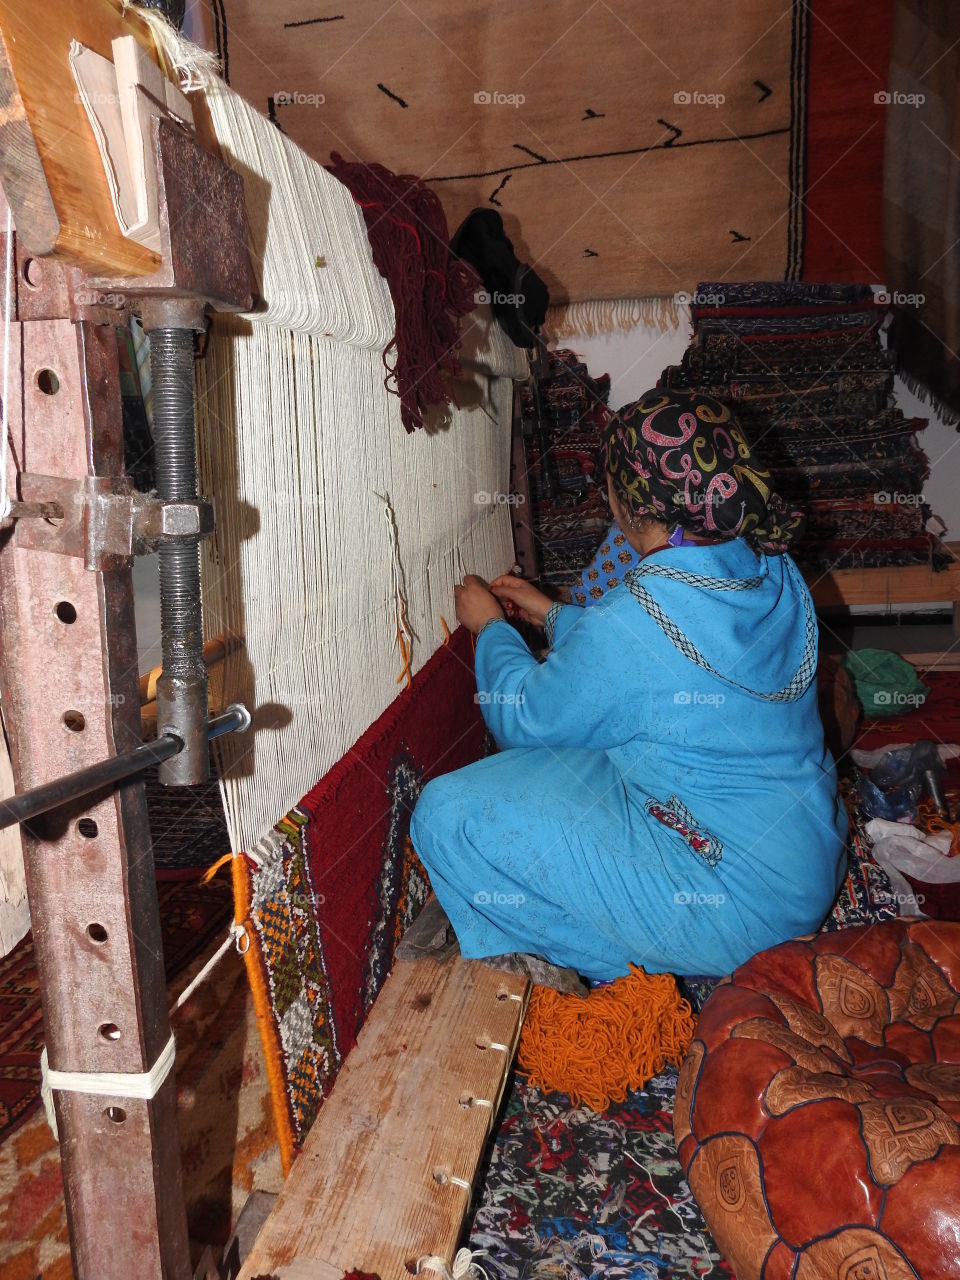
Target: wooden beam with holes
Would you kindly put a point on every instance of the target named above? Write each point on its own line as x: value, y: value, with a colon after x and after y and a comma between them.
x: 379, y: 1182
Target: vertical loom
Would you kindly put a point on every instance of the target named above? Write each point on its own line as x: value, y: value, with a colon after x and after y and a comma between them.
x: 342, y: 580
x: 68, y: 667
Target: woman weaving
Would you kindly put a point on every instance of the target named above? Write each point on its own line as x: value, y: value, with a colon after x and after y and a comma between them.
x: 663, y: 795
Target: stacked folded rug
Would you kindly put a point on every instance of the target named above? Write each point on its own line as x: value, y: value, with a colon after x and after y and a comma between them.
x: 805, y: 370
x: 570, y: 516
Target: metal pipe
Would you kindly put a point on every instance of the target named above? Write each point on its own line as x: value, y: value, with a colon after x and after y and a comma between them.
x: 182, y: 687
x: 19, y: 808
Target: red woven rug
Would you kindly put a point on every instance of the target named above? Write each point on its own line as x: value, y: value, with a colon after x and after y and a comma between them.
x: 190, y: 913
x: 938, y: 718
x: 339, y: 882
x: 849, y: 57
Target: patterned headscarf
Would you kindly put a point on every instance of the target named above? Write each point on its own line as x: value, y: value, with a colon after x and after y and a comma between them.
x: 681, y: 457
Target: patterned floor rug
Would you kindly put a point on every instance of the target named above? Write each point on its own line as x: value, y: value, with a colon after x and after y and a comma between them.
x: 190, y: 914
x: 187, y: 826
x: 570, y: 1194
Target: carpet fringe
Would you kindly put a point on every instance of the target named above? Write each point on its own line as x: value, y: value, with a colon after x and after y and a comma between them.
x: 608, y: 315
x: 930, y: 398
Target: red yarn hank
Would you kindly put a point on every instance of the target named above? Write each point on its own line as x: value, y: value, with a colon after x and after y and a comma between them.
x: 430, y: 287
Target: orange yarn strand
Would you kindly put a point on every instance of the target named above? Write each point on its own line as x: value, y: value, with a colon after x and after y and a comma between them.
x: 595, y: 1048
x: 405, y: 652
x: 931, y: 821
x: 214, y: 867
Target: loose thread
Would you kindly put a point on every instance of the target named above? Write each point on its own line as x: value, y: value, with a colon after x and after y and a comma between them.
x: 237, y: 935
x: 464, y: 1264
x: 405, y: 674
x: 212, y: 870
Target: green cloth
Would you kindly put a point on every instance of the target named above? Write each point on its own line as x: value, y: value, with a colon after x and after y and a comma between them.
x: 885, y: 683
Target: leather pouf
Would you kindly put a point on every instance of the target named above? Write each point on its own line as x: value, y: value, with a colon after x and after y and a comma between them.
x: 817, y: 1110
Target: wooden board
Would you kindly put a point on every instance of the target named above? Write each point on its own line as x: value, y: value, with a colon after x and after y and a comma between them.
x: 371, y: 1190
x: 49, y: 164
x: 906, y: 584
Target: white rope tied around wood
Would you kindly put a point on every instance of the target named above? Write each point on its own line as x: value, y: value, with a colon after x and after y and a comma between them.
x: 238, y: 938
x: 142, y: 1085
x: 5, y: 506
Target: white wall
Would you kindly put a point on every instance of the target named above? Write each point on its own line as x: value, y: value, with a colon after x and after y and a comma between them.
x: 634, y: 359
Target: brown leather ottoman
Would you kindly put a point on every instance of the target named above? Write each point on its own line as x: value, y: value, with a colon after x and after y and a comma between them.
x: 817, y: 1111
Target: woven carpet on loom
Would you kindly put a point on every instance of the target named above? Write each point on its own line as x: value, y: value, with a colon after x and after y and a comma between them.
x: 338, y: 882
x: 631, y: 148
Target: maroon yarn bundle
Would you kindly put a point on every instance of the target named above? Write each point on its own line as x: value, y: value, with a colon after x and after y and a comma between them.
x: 430, y: 287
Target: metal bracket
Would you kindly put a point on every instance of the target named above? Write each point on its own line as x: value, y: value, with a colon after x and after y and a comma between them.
x: 106, y: 521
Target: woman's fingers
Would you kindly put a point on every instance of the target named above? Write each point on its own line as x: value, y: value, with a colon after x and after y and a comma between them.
x: 514, y: 589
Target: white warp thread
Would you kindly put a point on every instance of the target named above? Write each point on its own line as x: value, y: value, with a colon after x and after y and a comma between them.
x: 297, y: 438
x: 465, y: 1265
x: 308, y: 243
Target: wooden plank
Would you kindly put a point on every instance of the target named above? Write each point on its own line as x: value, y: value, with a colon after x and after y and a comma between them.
x: 372, y: 1189
x: 945, y: 660
x: 906, y: 584
x: 65, y: 206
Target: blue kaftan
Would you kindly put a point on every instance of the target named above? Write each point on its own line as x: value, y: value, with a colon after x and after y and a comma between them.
x: 663, y: 794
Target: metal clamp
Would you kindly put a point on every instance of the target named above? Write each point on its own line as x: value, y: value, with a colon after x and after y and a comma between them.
x: 105, y: 521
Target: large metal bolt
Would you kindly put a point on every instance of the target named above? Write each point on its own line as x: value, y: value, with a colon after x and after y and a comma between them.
x: 182, y: 687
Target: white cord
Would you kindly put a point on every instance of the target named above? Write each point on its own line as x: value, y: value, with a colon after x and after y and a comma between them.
x: 464, y: 1265
x: 104, y: 1084
x: 236, y: 938
x: 132, y: 1084
x: 4, y: 415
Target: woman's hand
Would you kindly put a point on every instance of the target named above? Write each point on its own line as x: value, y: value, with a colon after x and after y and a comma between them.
x: 532, y: 605
x: 475, y: 604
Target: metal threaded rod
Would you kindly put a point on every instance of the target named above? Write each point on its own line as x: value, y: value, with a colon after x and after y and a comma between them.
x: 182, y: 687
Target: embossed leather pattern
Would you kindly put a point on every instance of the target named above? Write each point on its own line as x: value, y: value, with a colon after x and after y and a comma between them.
x: 817, y: 1111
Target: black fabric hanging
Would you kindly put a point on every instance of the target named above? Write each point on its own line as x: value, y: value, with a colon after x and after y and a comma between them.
x: 517, y: 295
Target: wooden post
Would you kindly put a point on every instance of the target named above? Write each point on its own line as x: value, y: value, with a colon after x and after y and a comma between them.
x: 68, y: 680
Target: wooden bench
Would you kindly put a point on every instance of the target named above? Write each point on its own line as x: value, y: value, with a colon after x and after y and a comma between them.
x: 903, y: 584
x: 380, y: 1180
